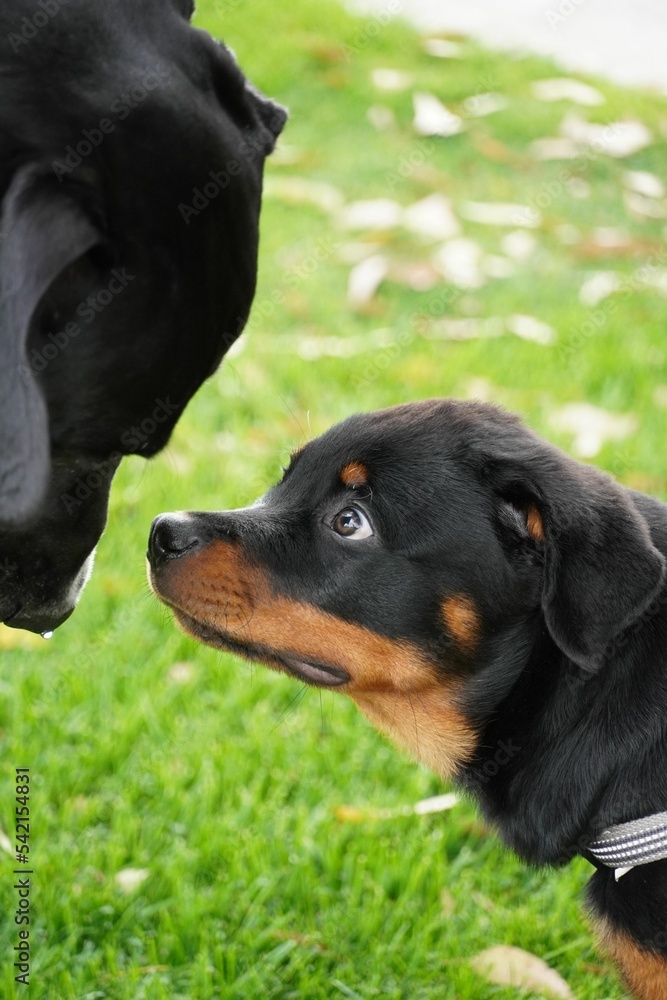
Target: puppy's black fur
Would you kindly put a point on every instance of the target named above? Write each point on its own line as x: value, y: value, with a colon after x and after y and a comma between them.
x: 131, y: 159
x: 494, y: 605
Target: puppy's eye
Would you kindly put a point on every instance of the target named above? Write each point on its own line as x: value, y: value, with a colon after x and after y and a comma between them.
x: 351, y: 523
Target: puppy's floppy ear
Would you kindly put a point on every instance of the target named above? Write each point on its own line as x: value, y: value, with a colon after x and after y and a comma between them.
x: 42, y: 231
x: 601, y: 568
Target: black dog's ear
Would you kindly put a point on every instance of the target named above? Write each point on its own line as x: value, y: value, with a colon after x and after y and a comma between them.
x: 43, y: 230
x: 601, y: 568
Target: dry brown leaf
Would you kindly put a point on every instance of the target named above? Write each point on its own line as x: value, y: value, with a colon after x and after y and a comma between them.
x: 433, y: 118
x: 442, y: 48
x: 506, y: 965
x: 566, y: 89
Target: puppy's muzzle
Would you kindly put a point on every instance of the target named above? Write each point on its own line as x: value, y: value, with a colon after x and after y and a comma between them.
x: 172, y: 536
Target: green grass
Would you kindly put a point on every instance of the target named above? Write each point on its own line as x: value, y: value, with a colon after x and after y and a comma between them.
x: 221, y: 780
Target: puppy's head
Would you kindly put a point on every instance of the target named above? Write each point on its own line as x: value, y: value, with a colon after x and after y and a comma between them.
x: 404, y: 553
x: 130, y: 193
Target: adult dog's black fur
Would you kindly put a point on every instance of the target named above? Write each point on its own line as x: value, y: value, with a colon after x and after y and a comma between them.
x: 131, y: 157
x: 493, y: 605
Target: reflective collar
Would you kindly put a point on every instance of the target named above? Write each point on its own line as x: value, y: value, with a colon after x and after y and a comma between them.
x: 626, y: 845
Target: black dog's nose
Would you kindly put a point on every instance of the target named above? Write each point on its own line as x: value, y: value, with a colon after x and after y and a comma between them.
x: 172, y: 535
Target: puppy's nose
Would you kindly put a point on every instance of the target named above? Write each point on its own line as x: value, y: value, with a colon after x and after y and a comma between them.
x: 172, y: 535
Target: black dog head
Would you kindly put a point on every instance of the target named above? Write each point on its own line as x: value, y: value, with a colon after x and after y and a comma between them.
x: 132, y: 151
x: 401, y: 551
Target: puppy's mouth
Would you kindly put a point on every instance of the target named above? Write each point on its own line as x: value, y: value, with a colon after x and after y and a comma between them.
x: 313, y: 672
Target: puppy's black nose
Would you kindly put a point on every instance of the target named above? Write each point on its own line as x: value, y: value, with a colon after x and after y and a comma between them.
x: 172, y: 535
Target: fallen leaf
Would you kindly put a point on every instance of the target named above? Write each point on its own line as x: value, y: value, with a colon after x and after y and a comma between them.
x: 390, y: 79
x: 480, y: 105
x: 644, y: 183
x: 437, y: 803
x: 498, y: 213
x: 442, y: 48
x: 433, y: 118
x: 447, y: 903
x: 300, y: 190
x: 130, y: 879
x: 418, y: 275
x: 465, y: 329
x: 459, y: 261
x: 556, y: 148
x: 653, y: 277
x: 432, y: 218
x: 660, y: 396
x: 519, y: 244
x: 566, y: 89
x: 531, y: 328
x: 567, y: 233
x: 644, y: 208
x: 578, y: 187
x: 285, y: 155
x: 509, y: 966
x: 376, y: 213
x: 616, y: 139
x: 599, y: 286
x: 498, y: 267
x: 494, y: 149
x: 365, y: 280
x: 611, y: 237
x: 355, y: 251
x: 381, y: 118
x: 181, y: 673
x: 591, y: 426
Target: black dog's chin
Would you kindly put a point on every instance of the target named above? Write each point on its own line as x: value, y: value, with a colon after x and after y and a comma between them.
x: 315, y: 673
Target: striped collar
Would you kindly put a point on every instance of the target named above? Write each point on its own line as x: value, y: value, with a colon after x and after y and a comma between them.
x: 627, y: 845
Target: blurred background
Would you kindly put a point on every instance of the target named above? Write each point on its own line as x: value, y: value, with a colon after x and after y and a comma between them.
x: 465, y: 202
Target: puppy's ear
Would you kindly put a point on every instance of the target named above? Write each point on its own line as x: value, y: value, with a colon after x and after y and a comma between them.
x: 601, y: 568
x: 42, y: 231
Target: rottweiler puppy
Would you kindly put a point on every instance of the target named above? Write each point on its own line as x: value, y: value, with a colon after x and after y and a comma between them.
x: 132, y: 150
x: 496, y: 607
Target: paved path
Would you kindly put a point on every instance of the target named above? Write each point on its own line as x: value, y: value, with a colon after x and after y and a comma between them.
x: 624, y: 40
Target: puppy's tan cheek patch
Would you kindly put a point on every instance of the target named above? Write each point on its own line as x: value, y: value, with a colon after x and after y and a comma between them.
x: 534, y: 524
x: 462, y: 621
x: 392, y: 681
x: 645, y: 972
x: 354, y: 474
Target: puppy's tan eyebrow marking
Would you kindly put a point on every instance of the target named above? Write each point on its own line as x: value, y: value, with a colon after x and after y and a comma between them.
x: 354, y: 474
x: 534, y: 524
x: 461, y: 620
